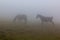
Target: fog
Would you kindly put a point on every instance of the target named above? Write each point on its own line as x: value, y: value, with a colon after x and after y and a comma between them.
x: 31, y: 28
x: 10, y: 8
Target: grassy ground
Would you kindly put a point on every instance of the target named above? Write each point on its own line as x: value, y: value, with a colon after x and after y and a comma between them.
x: 32, y: 31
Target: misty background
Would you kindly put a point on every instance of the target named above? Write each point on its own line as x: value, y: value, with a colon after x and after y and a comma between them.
x: 10, y: 8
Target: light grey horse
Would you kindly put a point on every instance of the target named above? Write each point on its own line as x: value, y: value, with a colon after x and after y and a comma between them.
x: 45, y: 19
x: 20, y: 18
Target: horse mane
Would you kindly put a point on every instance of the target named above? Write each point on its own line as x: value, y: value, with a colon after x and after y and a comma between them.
x: 40, y: 15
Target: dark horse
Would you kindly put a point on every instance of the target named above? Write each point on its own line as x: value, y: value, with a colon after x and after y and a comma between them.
x: 45, y: 19
x: 20, y: 18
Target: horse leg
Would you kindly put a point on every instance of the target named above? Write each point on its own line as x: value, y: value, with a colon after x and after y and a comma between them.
x: 53, y: 28
x: 42, y: 26
x: 25, y: 21
x: 52, y: 22
x: 42, y: 23
x: 14, y: 19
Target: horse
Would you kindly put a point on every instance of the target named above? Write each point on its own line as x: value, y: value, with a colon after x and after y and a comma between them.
x: 20, y: 18
x: 45, y: 19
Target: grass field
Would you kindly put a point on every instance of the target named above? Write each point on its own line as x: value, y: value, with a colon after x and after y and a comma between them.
x: 29, y: 31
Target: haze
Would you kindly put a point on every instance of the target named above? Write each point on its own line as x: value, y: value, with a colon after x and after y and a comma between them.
x: 10, y: 8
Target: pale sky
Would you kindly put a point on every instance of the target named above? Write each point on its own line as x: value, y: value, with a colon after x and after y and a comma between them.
x: 30, y: 7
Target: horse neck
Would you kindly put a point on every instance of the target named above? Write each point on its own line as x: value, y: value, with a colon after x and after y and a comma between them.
x: 40, y: 16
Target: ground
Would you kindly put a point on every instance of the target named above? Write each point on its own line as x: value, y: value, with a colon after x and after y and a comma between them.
x: 29, y: 31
